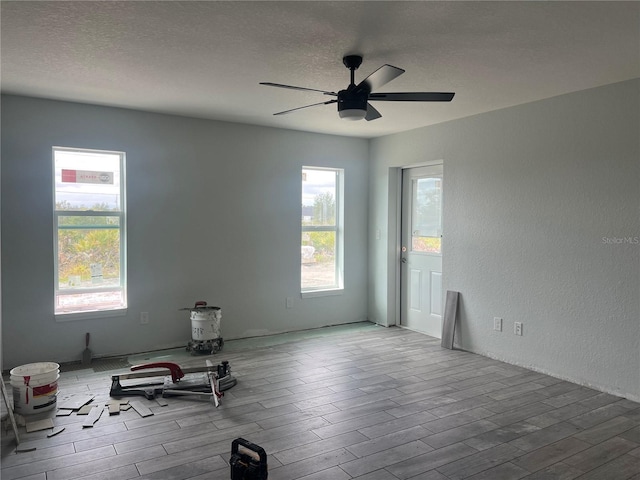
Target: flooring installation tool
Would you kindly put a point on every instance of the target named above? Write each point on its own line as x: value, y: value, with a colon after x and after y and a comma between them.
x: 86, y: 353
x: 209, y: 381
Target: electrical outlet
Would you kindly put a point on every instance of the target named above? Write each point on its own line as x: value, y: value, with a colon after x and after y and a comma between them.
x: 144, y: 318
x: 289, y: 302
x: 497, y: 324
x: 517, y: 328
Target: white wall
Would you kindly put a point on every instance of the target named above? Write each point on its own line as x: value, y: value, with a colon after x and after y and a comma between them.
x: 213, y: 214
x: 530, y: 192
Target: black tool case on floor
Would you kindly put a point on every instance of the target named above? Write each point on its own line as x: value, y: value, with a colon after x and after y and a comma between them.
x: 248, y: 461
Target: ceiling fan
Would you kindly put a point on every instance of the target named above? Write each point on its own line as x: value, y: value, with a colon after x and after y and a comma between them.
x: 353, y: 102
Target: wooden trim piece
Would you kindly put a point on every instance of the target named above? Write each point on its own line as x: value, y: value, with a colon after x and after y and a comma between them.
x: 450, y: 316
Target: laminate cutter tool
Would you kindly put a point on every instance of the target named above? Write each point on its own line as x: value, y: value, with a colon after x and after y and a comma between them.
x: 209, y: 381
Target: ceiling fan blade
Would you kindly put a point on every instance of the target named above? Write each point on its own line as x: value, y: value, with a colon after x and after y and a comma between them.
x: 372, y: 113
x: 383, y: 75
x: 291, y: 87
x: 413, y: 96
x: 307, y: 106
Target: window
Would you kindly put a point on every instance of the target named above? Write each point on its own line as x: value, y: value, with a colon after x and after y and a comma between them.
x: 322, y: 229
x: 89, y: 231
x: 426, y: 215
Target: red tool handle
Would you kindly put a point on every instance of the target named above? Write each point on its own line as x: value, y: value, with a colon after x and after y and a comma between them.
x: 176, y: 371
x: 201, y: 303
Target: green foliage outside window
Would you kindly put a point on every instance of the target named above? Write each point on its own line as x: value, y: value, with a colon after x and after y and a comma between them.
x: 80, y: 245
x: 427, y: 244
x: 324, y: 213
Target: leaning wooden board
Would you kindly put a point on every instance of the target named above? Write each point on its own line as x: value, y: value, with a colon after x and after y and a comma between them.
x: 450, y: 315
x: 5, y: 396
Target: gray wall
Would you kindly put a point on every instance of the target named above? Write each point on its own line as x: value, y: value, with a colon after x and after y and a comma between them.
x: 531, y: 191
x: 213, y: 214
x: 531, y: 195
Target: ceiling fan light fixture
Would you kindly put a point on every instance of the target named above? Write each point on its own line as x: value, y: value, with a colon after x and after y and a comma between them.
x: 353, y: 102
x: 352, y: 114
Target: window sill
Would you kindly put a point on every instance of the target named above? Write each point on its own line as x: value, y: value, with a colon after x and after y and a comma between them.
x: 322, y: 293
x: 71, y: 317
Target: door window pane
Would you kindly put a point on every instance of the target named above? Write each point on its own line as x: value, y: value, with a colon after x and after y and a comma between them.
x: 426, y: 215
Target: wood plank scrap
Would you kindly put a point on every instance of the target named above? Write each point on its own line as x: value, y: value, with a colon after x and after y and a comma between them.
x: 86, y: 409
x: 39, y: 425
x: 142, y: 410
x: 115, y: 406
x: 74, y: 401
x: 93, y: 417
x: 55, y: 432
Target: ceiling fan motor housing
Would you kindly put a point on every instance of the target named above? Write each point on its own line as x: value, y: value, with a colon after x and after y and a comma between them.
x: 350, y: 101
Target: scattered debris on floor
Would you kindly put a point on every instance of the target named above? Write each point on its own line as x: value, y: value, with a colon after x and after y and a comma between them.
x: 115, y: 406
x: 25, y: 450
x: 85, y: 409
x: 55, y: 432
x: 73, y: 401
x: 142, y: 410
x: 93, y: 416
x: 38, y: 425
x: 207, y: 381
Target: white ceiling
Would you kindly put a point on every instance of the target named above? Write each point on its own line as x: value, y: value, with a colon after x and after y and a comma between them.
x: 205, y: 59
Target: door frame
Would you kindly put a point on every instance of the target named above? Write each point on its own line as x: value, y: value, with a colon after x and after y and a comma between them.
x: 395, y: 237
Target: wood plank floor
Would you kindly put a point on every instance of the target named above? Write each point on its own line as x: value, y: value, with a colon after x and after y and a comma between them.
x: 364, y: 402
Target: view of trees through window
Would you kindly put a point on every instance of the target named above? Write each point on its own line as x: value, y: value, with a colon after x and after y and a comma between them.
x: 85, y: 241
x: 320, y: 233
x: 89, y: 234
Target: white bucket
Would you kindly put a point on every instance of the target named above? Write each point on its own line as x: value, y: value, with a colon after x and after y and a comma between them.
x: 35, y: 387
x: 205, y: 324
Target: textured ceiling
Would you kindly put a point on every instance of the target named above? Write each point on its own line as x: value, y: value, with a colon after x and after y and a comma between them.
x: 205, y: 59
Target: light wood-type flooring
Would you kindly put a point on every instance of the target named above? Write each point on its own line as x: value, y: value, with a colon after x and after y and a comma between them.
x: 353, y: 402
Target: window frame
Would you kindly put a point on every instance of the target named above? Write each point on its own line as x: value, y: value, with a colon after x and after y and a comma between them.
x: 121, y: 310
x: 338, y: 287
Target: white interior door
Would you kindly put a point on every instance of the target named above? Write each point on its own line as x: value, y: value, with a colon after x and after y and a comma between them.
x: 421, y: 307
